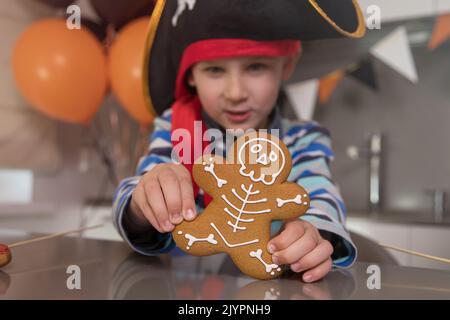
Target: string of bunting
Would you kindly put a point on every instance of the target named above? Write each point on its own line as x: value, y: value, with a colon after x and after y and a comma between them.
x: 393, y: 50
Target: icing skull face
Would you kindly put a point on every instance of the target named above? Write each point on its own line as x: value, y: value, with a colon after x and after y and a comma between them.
x: 261, y: 160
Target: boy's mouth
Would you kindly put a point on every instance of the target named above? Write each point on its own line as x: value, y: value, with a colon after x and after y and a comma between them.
x: 238, y: 116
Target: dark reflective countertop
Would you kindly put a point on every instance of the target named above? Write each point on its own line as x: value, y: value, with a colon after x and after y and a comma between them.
x: 109, y: 270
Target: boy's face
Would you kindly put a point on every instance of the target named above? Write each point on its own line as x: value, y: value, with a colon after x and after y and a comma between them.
x: 240, y: 93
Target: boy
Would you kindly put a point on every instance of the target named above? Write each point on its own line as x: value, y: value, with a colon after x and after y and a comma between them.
x: 215, y: 61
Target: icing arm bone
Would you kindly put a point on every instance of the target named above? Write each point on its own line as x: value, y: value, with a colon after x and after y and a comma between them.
x: 296, y: 200
x: 290, y: 200
x: 209, y: 167
x: 192, y: 239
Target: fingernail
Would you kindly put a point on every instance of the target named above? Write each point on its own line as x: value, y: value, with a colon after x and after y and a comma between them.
x: 168, y: 225
x: 307, y: 277
x: 177, y: 216
x: 275, y: 259
x: 190, y: 214
x: 271, y: 248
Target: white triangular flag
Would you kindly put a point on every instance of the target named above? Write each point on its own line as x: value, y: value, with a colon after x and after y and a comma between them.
x: 394, y: 50
x: 303, y: 97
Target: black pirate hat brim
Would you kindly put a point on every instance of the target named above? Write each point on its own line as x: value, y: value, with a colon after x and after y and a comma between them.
x: 169, y: 33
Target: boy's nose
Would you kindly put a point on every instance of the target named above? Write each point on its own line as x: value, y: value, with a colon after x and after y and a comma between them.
x: 235, y: 90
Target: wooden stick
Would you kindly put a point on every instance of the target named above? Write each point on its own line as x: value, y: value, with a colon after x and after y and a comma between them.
x: 55, y: 235
x: 415, y: 253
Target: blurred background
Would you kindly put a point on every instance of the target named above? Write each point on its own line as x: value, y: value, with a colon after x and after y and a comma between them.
x: 73, y: 121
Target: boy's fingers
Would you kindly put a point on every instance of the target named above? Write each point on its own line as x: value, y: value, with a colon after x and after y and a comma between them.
x: 158, y: 205
x: 293, y: 231
x: 187, y: 194
x: 318, y: 272
x: 142, y: 202
x: 172, y: 195
x: 297, y: 250
x: 151, y: 217
x: 320, y: 254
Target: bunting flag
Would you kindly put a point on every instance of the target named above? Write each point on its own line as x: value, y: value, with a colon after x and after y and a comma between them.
x: 328, y: 85
x: 303, y: 97
x: 441, y: 32
x: 364, y: 72
x: 394, y: 51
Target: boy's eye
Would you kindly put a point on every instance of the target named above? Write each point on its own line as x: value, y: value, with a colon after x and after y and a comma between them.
x: 214, y: 70
x: 257, y: 67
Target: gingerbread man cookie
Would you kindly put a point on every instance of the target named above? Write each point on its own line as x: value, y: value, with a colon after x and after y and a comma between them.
x: 249, y: 190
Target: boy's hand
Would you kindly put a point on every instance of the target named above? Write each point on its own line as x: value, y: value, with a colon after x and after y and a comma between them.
x: 301, y: 246
x: 163, y: 197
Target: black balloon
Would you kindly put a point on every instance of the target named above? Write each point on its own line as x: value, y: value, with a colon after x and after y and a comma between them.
x: 57, y: 3
x: 98, y: 29
x: 120, y: 12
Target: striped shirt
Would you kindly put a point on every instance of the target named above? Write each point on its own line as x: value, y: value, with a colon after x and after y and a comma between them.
x: 310, y: 147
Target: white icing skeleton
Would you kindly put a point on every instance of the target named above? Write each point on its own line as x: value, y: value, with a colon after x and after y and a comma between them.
x: 243, y: 203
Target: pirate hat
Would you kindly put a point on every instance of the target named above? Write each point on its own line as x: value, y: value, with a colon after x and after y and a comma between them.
x: 177, y: 24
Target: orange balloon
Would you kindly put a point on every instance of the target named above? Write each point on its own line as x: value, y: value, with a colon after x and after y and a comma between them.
x: 61, y: 72
x: 125, y: 64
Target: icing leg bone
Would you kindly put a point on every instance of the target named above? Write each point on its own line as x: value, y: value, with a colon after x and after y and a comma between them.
x: 229, y: 244
x: 193, y: 239
x: 297, y: 200
x: 210, y: 168
x: 257, y: 254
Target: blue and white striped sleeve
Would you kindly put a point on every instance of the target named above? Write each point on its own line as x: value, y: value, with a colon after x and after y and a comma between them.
x: 159, y: 151
x: 310, y: 147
